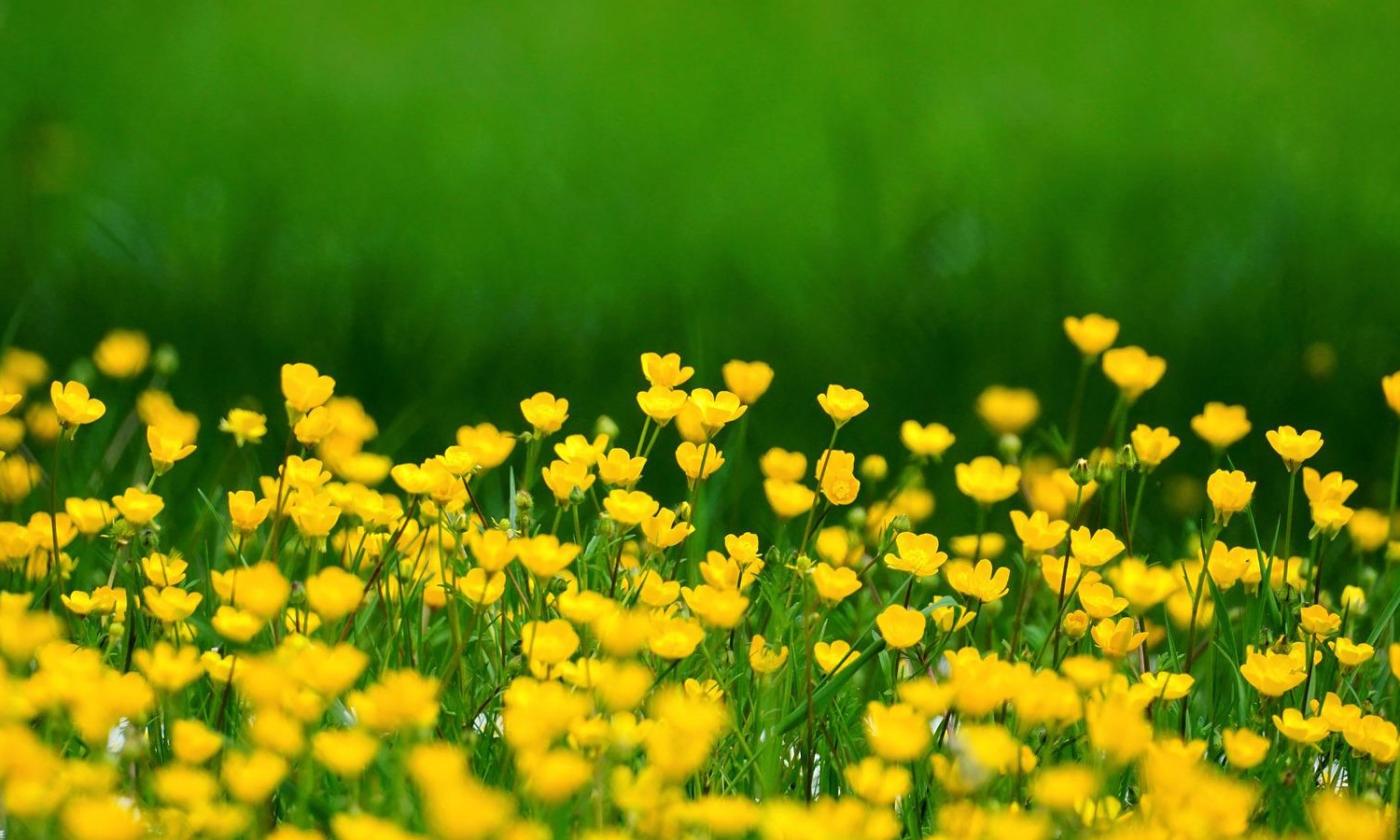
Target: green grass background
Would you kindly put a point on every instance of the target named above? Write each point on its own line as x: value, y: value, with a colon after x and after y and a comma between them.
x: 451, y: 205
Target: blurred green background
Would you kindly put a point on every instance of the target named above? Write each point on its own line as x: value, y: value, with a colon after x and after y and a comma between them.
x: 450, y: 205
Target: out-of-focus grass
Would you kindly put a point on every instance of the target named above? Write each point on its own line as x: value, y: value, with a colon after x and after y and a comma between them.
x: 450, y: 204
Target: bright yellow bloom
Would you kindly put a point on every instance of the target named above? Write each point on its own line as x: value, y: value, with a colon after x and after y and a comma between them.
x: 166, y: 448
x: 842, y: 404
x: 982, y: 581
x: 665, y: 371
x: 334, y: 593
x: 630, y: 507
x: 1244, y: 748
x: 1390, y: 386
x: 565, y: 479
x: 833, y: 656
x: 716, y: 607
x: 122, y: 354
x: 662, y: 404
x: 544, y: 412
x: 1351, y: 654
x: 166, y: 668
x: 1221, y: 425
x: 246, y: 511
x: 1272, y: 674
x: 1133, y: 370
x: 1038, y: 532
x: 171, y: 603
x: 876, y: 782
x: 252, y: 777
x: 1094, y: 548
x: 1230, y: 492
x: 896, y: 733
x: 663, y: 531
x: 698, y: 462
x: 305, y: 388
x: 900, y: 626
x: 1295, y: 727
x: 929, y: 441
x: 763, y: 659
x: 1007, y: 411
x: 1168, y: 686
x: 245, y: 426
x: 544, y: 555
x: 75, y: 406
x: 1117, y: 639
x: 138, y: 507
x: 986, y: 480
x: 833, y: 584
x: 1319, y: 621
x: 1292, y: 446
x: 918, y: 554
x: 193, y: 742
x: 548, y: 642
x: 620, y: 468
x: 788, y: 498
x: 1092, y: 334
x: 748, y: 380
x: 1153, y: 446
x: 1100, y: 601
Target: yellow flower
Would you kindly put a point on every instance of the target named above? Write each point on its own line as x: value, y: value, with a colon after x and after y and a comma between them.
x: 781, y: 465
x: 922, y: 441
x: 193, y: 742
x: 1100, y: 601
x: 246, y: 511
x: 663, y: 531
x: 488, y: 446
x: 836, y: 471
x: 1272, y: 674
x: 166, y: 448
x: 304, y: 388
x: 548, y: 642
x: 763, y: 659
x: 1007, y: 411
x: 918, y: 554
x: 982, y: 581
x: 1221, y: 425
x: 1368, y: 529
x: 544, y: 555
x: 345, y: 752
x: 252, y: 777
x: 1168, y: 686
x: 698, y: 462
x: 1292, y: 446
x: 674, y: 638
x: 896, y: 733
x: 986, y: 480
x: 164, y: 570
x: 1230, y: 492
x: 171, y: 603
x: 876, y: 782
x: 245, y: 426
x: 1038, y: 532
x: 565, y: 479
x: 90, y: 516
x: 138, y: 507
x: 1133, y: 370
x: 400, y: 700
x: 1092, y: 334
x: 103, y: 817
x: 75, y: 406
x: 665, y: 371
x: 166, y: 668
x: 1390, y: 386
x: 1295, y: 727
x: 1374, y: 736
x: 716, y: 607
x: 1333, y: 488
x: 788, y: 498
x: 481, y: 587
x: 1352, y: 654
x: 1244, y: 748
x: 1117, y: 639
x: 630, y: 507
x: 544, y: 412
x: 1153, y: 446
x: 1318, y: 621
x: 578, y: 449
x: 748, y: 380
x: 1063, y: 787
x: 842, y: 404
x: 661, y: 404
x: 833, y: 584
x: 716, y: 410
x: 620, y: 468
x: 122, y: 354
x: 1094, y: 548
x: 833, y: 656
x: 334, y: 593
x: 236, y: 625
x: 900, y: 626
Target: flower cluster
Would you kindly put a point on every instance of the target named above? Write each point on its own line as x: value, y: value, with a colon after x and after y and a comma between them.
x: 523, y: 635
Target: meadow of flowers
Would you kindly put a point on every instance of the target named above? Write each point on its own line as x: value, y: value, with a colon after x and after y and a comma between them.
x: 515, y: 638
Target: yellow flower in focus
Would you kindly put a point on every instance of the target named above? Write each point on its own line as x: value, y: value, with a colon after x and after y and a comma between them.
x: 714, y: 411
x: 1007, y: 411
x: 763, y: 659
x: 137, y: 506
x: 748, y: 380
x: 918, y: 555
x: 544, y: 555
x: 833, y: 584
x: 246, y: 511
x: 170, y: 604
x: 1168, y: 686
x: 1100, y: 601
x: 900, y: 626
x: 1244, y: 748
x: 833, y: 656
x: 665, y: 371
x: 304, y: 388
x: 986, y: 480
x: 122, y: 354
x: 1318, y: 621
x: 842, y: 404
x: 1117, y: 639
x: 698, y: 462
x: 662, y: 404
x: 1230, y: 492
x: 620, y: 468
x: 663, y: 531
x: 1221, y: 425
x: 166, y: 448
x: 630, y: 507
x: 1351, y: 654
x: 1133, y: 370
x: 1153, y: 446
x: 929, y: 441
x: 1295, y: 727
x: 716, y: 607
x: 1292, y: 446
x: 74, y: 405
x: 982, y: 581
x: 1092, y: 334
x: 544, y: 412
x: 1272, y: 674
x: 1038, y: 532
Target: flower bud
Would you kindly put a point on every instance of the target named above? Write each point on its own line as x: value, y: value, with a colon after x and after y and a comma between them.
x: 1079, y: 473
x: 166, y: 360
x: 605, y: 425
